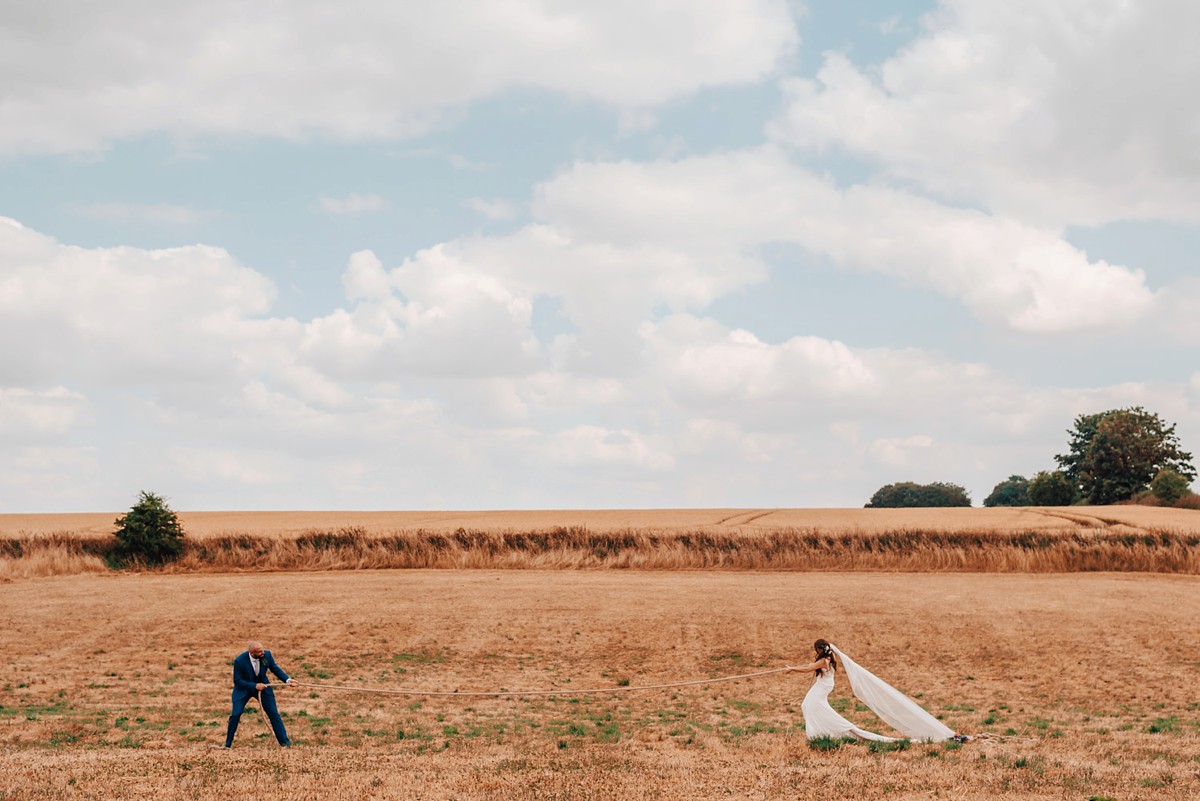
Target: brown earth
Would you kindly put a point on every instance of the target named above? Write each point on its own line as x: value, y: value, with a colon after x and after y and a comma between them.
x: 117, y: 686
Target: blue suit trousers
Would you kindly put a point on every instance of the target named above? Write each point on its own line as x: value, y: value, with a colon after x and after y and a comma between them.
x: 266, y: 700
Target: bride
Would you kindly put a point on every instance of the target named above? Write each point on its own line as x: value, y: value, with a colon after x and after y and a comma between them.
x: 895, y: 708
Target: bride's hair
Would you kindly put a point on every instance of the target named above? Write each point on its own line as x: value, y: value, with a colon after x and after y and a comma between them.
x: 825, y: 651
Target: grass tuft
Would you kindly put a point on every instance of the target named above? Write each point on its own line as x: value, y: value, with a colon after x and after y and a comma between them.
x: 828, y: 743
x: 877, y: 747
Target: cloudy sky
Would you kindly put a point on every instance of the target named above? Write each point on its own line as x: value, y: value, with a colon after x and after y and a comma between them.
x: 549, y: 254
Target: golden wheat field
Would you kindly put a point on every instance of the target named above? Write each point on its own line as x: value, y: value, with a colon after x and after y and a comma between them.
x: 116, y: 686
x: 292, y: 524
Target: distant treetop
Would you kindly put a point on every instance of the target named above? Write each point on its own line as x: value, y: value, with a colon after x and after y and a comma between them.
x: 1114, y: 455
x: 1012, y: 491
x: 909, y: 494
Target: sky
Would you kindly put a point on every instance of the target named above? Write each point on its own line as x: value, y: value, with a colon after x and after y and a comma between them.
x: 544, y: 254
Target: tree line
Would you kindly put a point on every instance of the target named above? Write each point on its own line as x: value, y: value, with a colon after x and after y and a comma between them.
x: 1117, y: 456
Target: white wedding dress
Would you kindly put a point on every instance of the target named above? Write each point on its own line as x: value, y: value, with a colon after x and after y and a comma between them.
x: 821, y: 720
x: 892, y: 706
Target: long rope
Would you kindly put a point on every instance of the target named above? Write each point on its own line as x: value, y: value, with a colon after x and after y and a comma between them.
x: 514, y: 693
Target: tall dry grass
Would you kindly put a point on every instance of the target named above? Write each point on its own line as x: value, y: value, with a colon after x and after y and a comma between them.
x: 576, y: 548
x: 56, y: 555
x: 788, y: 549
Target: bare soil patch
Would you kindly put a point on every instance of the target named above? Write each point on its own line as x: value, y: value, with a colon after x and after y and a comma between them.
x: 117, y: 686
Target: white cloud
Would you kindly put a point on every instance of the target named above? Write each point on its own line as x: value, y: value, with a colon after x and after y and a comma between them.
x: 50, y: 460
x: 199, y: 465
x: 33, y: 415
x: 719, y: 210
x: 438, y: 314
x: 1025, y: 277
x: 427, y: 386
x: 465, y: 307
x: 351, y: 205
x: 589, y: 445
x: 895, y: 452
x: 847, y: 431
x: 1049, y: 111
x: 560, y: 391
x: 120, y: 314
x: 585, y: 353
x: 705, y: 370
x: 50, y: 478
x: 80, y: 80
x: 704, y: 437
x: 493, y: 209
x: 365, y: 277
x: 704, y: 363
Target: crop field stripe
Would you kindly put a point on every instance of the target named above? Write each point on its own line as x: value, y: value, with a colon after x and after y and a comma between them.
x: 1095, y: 548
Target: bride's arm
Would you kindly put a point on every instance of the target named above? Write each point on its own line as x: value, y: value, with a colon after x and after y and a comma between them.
x: 812, y: 667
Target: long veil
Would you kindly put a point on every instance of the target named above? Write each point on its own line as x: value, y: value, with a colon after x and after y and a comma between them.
x: 892, y: 706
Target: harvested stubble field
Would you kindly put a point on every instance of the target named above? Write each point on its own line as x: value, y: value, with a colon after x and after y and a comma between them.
x: 117, y: 686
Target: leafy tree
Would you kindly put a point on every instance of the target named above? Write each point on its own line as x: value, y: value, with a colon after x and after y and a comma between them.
x: 1168, y: 486
x: 150, y: 532
x: 1114, y: 455
x: 910, y: 494
x: 1012, y: 491
x: 1051, y: 488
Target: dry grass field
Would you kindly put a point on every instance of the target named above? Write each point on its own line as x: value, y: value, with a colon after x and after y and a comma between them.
x: 116, y: 686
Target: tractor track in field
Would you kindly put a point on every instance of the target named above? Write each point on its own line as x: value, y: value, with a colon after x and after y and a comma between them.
x: 1088, y: 521
x: 746, y: 517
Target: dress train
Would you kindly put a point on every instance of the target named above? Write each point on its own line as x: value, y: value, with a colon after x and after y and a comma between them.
x: 892, y: 706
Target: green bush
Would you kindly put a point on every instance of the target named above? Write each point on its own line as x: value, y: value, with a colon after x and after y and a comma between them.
x: 1012, y: 491
x: 1051, y: 488
x: 149, y: 533
x: 908, y: 494
x: 1168, y: 486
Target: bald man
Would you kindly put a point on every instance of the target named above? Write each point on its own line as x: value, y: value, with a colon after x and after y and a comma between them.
x: 250, y: 681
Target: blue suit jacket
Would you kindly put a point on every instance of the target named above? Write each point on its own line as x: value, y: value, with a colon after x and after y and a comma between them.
x: 244, y: 677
